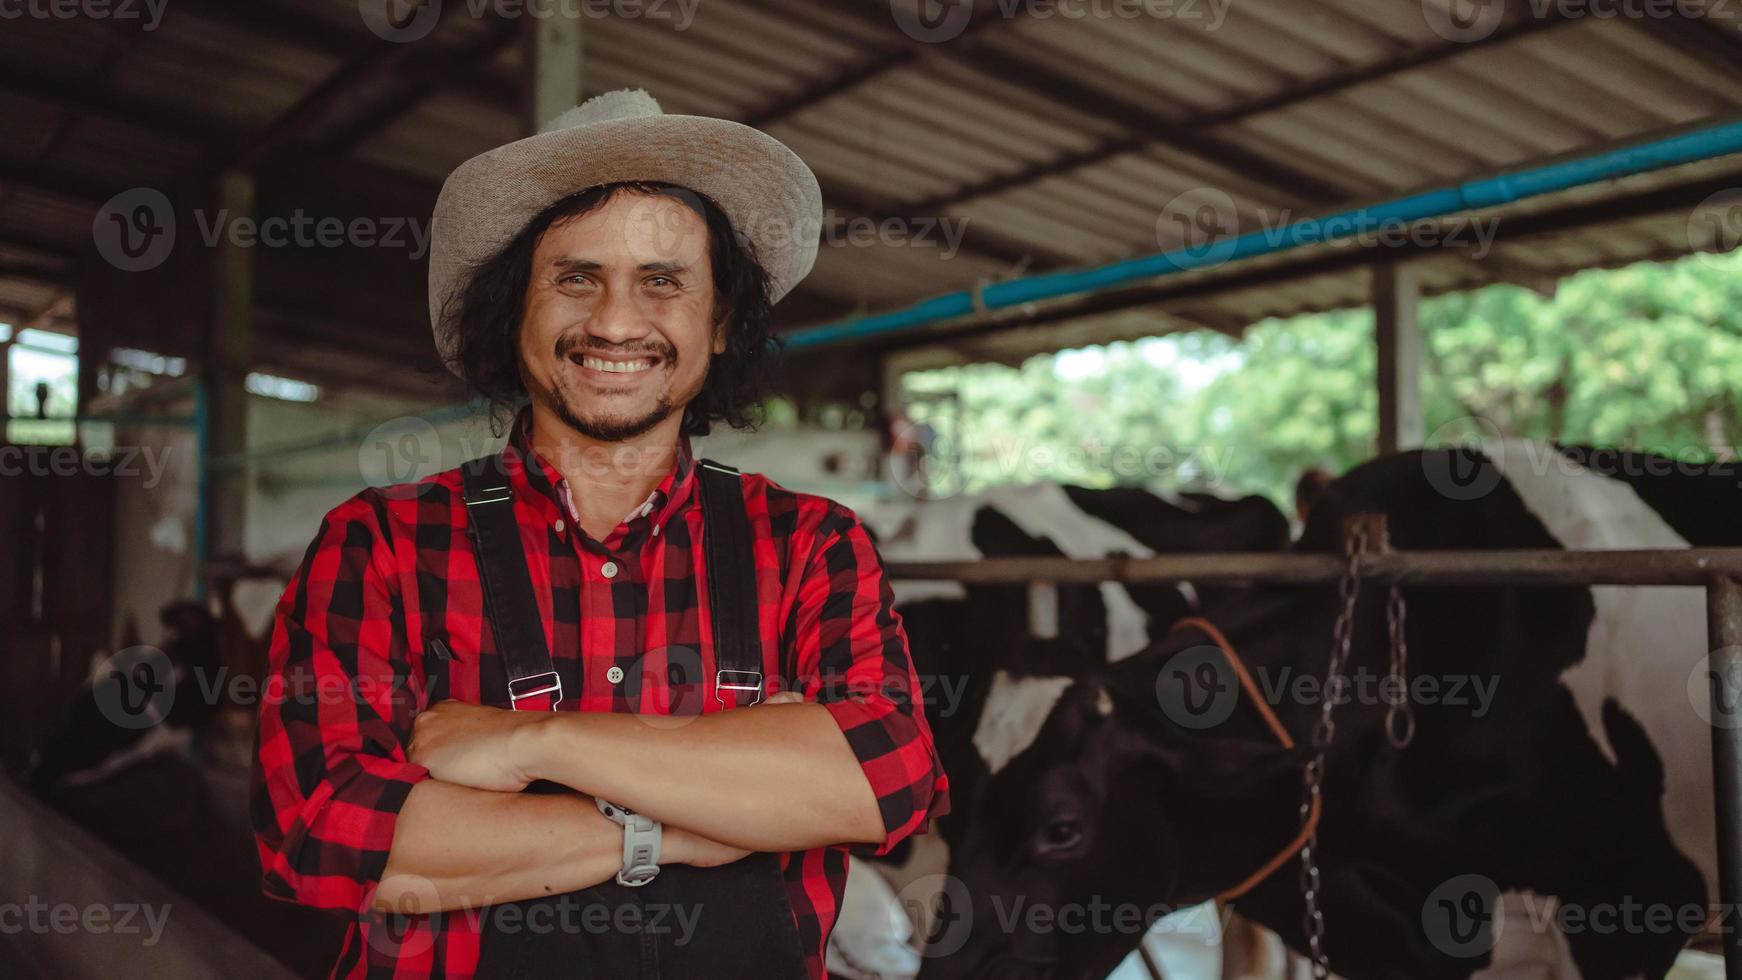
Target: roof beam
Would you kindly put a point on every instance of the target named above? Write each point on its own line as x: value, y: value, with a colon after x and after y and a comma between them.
x: 1559, y: 221
x: 1697, y: 37
x: 117, y: 108
x: 71, y: 187
x: 311, y: 117
x: 901, y: 54
x: 998, y: 248
x: 407, y: 89
x: 1143, y: 125
x: 24, y: 241
x: 1195, y: 127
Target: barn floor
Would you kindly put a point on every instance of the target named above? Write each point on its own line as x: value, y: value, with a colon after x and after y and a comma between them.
x: 187, y: 825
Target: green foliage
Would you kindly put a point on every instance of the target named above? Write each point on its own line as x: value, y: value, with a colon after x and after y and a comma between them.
x: 1647, y: 357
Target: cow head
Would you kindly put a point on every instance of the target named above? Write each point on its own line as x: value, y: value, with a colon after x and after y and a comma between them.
x: 1101, y: 824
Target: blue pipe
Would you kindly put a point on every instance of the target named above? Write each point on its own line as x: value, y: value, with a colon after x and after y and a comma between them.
x: 1486, y: 192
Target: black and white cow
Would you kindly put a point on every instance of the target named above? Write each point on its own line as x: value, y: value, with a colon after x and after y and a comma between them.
x: 973, y: 640
x: 970, y: 644
x: 1560, y: 774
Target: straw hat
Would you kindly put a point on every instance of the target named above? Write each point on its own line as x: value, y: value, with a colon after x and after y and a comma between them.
x: 769, y: 194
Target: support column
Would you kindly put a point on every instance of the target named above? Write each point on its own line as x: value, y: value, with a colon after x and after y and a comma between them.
x: 6, y: 378
x: 1724, y: 668
x: 224, y: 372
x: 553, y: 61
x: 1397, y: 334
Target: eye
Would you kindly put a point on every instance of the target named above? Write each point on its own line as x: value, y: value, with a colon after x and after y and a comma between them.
x: 1058, y: 836
x: 663, y: 282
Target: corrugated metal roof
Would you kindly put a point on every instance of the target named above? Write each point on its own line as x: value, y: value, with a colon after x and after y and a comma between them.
x: 1058, y: 140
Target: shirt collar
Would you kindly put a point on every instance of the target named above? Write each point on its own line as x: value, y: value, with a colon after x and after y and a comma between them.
x: 542, y: 479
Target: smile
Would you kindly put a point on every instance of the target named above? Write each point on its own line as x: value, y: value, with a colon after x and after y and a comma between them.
x: 618, y: 367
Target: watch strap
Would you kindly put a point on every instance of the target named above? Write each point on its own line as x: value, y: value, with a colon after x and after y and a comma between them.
x: 641, y: 843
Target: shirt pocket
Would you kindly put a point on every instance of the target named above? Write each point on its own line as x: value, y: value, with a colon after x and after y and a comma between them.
x: 438, y: 660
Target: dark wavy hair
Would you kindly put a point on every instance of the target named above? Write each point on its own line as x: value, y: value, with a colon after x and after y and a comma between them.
x: 487, y: 313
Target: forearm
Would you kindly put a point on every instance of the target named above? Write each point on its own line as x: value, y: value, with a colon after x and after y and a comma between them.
x: 779, y: 777
x: 456, y: 847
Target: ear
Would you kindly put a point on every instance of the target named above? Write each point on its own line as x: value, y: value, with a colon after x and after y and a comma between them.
x: 720, y: 327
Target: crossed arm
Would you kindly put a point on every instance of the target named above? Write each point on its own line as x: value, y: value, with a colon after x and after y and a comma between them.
x: 715, y: 781
x: 371, y: 803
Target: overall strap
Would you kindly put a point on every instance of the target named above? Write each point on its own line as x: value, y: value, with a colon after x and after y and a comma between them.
x: 508, y: 596
x: 731, y: 563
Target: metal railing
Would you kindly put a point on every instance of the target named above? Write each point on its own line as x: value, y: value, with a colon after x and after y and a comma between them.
x: 1718, y: 570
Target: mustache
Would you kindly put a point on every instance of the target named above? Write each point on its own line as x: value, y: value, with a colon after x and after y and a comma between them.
x: 569, y: 344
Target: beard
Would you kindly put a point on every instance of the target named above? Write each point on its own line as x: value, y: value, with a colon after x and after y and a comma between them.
x: 565, y: 403
x: 610, y: 429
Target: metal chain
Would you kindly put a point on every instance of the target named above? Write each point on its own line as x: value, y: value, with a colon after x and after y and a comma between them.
x: 1400, y: 716
x: 1342, y: 635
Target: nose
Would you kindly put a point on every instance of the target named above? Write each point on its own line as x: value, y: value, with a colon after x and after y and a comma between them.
x: 617, y: 318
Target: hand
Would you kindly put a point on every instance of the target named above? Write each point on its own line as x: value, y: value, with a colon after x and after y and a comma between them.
x: 473, y: 745
x: 680, y: 846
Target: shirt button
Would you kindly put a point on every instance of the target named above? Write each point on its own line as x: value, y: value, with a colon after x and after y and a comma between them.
x: 614, y: 675
x: 656, y: 530
x: 560, y: 525
x: 609, y: 569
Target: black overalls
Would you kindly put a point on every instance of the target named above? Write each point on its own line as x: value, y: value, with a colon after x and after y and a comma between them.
x: 728, y: 923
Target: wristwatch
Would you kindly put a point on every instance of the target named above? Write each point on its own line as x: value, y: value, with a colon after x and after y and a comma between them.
x: 640, y: 843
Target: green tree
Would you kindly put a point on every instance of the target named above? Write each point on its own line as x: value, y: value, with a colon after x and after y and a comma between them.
x: 1648, y: 357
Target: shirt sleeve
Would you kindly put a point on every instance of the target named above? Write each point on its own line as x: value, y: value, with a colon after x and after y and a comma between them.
x: 330, y: 769
x: 852, y: 658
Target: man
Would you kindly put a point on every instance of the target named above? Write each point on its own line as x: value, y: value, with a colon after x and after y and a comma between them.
x: 617, y: 271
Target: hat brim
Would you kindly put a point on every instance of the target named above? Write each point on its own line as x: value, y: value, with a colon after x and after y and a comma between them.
x: 770, y: 195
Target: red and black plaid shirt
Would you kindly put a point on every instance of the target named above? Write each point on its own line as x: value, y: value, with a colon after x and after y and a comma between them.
x: 392, y: 568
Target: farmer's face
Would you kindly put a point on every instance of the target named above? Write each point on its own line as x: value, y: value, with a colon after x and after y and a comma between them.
x: 620, y: 320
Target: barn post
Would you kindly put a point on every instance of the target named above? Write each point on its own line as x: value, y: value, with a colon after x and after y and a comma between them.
x: 553, y: 65
x: 1397, y: 334
x: 1724, y: 633
x: 224, y: 374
